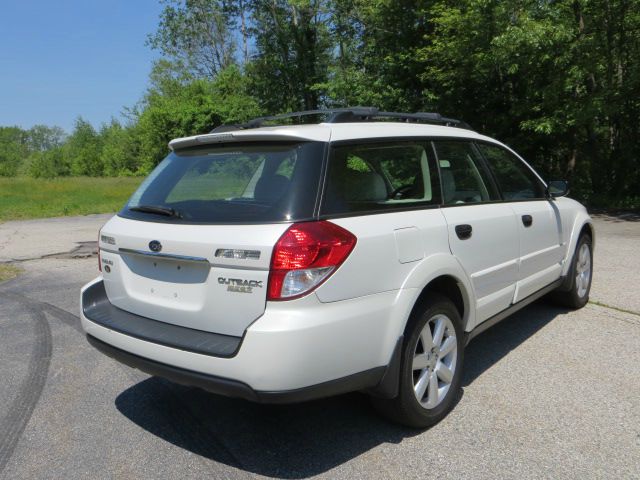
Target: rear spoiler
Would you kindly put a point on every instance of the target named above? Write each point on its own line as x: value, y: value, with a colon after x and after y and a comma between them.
x: 273, y: 134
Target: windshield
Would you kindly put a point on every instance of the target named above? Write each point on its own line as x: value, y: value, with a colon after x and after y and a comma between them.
x: 249, y: 183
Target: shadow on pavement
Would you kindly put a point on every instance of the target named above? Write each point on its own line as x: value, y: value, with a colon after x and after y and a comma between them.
x: 491, y: 346
x: 301, y: 440
x: 282, y: 441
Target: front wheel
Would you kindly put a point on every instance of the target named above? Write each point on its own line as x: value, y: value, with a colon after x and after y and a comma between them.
x: 431, y: 365
x: 580, y: 275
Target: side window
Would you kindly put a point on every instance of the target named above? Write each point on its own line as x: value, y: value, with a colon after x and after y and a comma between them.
x: 463, y: 178
x: 380, y: 176
x: 515, y: 180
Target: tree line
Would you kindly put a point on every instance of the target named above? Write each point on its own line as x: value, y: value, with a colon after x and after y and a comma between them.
x: 559, y: 81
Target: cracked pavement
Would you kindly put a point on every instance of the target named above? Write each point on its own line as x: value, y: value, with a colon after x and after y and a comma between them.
x: 31, y: 239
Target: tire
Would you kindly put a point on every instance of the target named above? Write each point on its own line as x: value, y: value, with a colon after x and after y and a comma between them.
x: 580, y: 276
x: 438, y: 312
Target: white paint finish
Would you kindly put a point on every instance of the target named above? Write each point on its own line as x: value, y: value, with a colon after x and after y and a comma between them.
x: 495, y: 269
x: 490, y: 256
x: 347, y: 131
x: 325, y: 132
x: 541, y: 245
x: 574, y: 218
x: 197, y: 240
x: 486, y: 306
x: 186, y: 293
x: 319, y: 337
x: 170, y: 295
x: 438, y: 265
x: 281, y: 133
x: 373, y: 265
x: 537, y: 281
x: 409, y: 246
x: 294, y: 344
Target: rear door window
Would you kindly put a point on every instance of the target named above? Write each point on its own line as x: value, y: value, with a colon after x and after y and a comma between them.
x: 380, y: 176
x: 464, y: 178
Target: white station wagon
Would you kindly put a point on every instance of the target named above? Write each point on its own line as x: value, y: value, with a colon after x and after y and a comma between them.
x: 288, y: 262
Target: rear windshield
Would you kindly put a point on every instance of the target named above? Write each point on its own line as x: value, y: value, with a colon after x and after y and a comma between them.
x: 253, y: 183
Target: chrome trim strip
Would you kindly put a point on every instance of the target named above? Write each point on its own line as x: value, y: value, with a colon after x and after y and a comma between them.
x: 238, y: 267
x: 184, y: 258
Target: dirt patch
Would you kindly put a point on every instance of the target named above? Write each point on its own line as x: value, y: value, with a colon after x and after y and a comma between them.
x: 8, y: 271
x: 83, y: 250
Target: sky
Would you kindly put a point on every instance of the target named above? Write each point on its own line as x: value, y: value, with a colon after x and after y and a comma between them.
x: 68, y: 58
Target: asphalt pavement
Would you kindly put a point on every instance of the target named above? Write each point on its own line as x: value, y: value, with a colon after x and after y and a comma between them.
x: 548, y: 393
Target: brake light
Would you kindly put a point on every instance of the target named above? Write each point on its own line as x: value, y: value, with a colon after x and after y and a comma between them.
x: 99, y: 259
x: 305, y: 256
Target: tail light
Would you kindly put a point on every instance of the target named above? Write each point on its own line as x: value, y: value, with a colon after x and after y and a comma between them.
x: 99, y: 259
x: 305, y: 256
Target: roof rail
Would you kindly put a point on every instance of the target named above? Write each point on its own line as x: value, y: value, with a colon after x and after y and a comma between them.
x: 349, y: 115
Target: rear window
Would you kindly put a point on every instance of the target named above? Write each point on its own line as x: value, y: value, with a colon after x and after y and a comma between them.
x: 253, y: 183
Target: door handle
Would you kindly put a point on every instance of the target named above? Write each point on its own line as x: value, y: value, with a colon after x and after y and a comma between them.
x: 527, y: 220
x: 464, y: 231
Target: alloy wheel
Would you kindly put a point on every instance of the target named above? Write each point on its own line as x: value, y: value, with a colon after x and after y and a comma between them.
x: 583, y: 270
x: 434, y: 361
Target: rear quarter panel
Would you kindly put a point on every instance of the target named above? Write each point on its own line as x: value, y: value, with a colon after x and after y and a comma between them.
x: 388, y: 249
x: 402, y: 252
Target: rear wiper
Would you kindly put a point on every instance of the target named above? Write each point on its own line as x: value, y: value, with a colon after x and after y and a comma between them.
x: 157, y: 209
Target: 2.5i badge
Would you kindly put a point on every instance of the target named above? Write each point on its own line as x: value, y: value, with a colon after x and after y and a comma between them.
x: 240, y: 286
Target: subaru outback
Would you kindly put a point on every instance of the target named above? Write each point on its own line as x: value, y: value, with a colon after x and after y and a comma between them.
x: 285, y: 260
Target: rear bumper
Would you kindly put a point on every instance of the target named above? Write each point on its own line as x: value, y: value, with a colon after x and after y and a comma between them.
x: 97, y: 308
x: 295, y: 351
x: 234, y: 388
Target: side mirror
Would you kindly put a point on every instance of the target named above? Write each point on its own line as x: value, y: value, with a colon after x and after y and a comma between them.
x: 557, y: 188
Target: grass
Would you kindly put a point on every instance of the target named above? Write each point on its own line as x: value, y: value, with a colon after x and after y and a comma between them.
x: 24, y: 197
x: 8, y: 271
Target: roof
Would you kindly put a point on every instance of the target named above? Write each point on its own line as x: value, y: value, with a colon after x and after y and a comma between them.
x: 328, y: 132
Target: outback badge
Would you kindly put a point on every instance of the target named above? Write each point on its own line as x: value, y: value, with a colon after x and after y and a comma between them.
x: 239, y: 285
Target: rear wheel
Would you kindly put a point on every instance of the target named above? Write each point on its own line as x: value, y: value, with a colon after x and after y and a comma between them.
x: 431, y: 365
x: 580, y: 276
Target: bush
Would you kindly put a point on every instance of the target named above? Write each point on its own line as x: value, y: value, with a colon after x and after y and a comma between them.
x: 13, y: 150
x: 49, y: 164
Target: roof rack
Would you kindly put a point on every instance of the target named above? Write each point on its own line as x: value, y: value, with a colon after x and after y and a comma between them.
x: 349, y: 115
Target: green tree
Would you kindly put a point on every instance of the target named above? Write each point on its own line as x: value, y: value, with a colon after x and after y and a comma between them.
x: 49, y: 164
x: 196, y: 35
x: 82, y: 150
x: 558, y: 81
x: 13, y: 150
x: 42, y: 137
x: 554, y: 79
x: 119, y: 152
x: 175, y: 108
x: 293, y: 51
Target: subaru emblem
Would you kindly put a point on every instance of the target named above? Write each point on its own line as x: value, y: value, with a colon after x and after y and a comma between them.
x: 155, y: 246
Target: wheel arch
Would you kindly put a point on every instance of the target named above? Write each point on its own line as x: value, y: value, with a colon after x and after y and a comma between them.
x: 581, y: 225
x: 448, y: 286
x: 587, y: 228
x: 444, y: 275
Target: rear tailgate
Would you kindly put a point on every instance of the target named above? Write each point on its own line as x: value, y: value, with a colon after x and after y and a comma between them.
x: 186, y: 283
